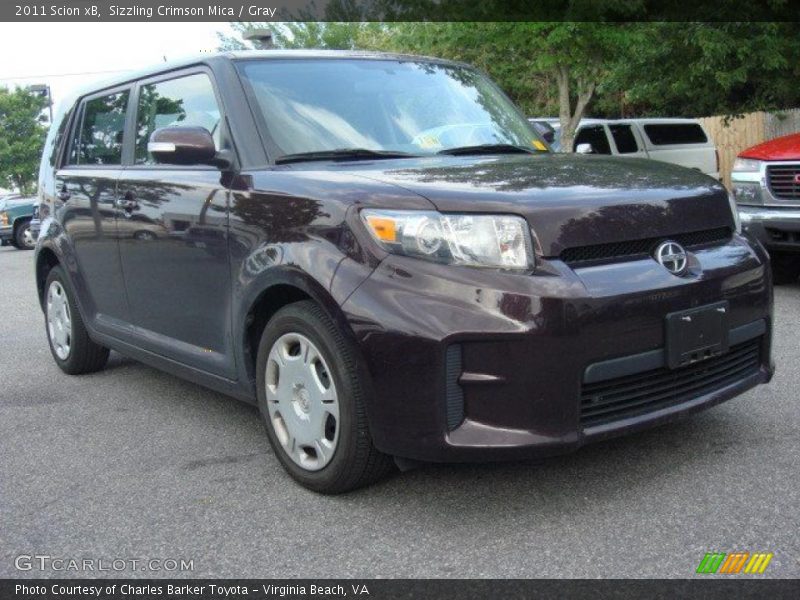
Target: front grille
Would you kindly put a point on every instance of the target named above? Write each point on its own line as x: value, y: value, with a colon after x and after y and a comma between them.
x: 633, y: 395
x: 782, y: 181
x: 637, y: 249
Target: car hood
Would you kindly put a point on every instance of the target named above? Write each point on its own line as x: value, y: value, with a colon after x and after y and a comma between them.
x: 9, y: 204
x: 782, y: 148
x: 569, y: 201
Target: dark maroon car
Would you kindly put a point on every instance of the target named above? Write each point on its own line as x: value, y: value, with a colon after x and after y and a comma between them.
x: 382, y: 253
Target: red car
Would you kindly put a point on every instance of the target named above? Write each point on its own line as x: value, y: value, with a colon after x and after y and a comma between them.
x: 766, y: 183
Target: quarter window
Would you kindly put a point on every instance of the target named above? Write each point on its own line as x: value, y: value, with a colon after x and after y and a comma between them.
x: 663, y: 134
x: 184, y: 102
x: 98, y: 136
x: 55, y: 142
x: 624, y: 139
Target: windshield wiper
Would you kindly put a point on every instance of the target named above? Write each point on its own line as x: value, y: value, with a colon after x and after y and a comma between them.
x: 341, y: 154
x: 489, y: 149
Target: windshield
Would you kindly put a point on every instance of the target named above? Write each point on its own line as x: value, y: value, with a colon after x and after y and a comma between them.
x: 382, y: 105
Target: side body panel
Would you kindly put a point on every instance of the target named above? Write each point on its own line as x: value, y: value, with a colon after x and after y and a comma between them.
x: 295, y: 227
x: 173, y: 250
x: 87, y: 218
x: 701, y: 157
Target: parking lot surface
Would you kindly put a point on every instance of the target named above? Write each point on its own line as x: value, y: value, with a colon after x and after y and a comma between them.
x: 132, y: 463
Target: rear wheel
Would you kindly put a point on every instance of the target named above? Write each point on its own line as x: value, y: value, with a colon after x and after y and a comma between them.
x: 23, y: 236
x: 74, y: 352
x: 785, y: 268
x: 311, y: 396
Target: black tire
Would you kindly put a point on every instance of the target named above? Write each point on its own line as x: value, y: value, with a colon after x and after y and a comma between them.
x: 21, y: 236
x: 84, y: 356
x: 785, y: 268
x: 355, y: 461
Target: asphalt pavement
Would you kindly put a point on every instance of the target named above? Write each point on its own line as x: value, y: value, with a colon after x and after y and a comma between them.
x: 134, y: 464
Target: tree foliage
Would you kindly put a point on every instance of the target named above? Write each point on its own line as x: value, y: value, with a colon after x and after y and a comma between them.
x: 22, y: 135
x: 701, y: 69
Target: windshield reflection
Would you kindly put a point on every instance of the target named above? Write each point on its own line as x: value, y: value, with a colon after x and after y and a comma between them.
x: 315, y: 105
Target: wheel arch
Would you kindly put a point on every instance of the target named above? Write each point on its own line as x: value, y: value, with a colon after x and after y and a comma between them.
x: 46, y: 259
x: 280, y: 288
x: 19, y: 221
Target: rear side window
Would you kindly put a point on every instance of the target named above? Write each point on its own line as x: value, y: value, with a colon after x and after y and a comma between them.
x: 596, y: 136
x: 183, y: 102
x: 100, y: 127
x: 662, y: 134
x: 624, y: 139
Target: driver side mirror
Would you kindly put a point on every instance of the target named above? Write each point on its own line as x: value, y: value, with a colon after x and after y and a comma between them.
x: 584, y: 149
x: 185, y: 146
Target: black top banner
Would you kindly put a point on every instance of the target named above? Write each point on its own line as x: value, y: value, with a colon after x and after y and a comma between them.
x: 398, y: 10
x: 390, y: 589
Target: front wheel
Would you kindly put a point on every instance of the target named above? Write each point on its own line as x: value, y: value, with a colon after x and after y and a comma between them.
x: 311, y: 396
x: 74, y: 352
x: 23, y: 237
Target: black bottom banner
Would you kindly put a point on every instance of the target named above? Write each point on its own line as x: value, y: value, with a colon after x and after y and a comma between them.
x: 379, y: 589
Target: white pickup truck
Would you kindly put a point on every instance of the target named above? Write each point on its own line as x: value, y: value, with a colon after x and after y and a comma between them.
x: 680, y: 141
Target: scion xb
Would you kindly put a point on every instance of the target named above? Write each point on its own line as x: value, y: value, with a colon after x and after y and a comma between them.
x: 382, y: 254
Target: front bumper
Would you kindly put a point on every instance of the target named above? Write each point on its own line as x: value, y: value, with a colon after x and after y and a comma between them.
x: 7, y: 232
x: 778, y: 228
x: 471, y: 365
x: 774, y: 221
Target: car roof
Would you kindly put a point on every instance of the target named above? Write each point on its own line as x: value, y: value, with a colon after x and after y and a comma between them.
x: 165, y: 67
x: 658, y: 120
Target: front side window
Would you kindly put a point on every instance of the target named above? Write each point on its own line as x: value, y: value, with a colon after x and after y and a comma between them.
x: 183, y: 102
x: 417, y: 107
x: 99, y: 131
x: 596, y: 136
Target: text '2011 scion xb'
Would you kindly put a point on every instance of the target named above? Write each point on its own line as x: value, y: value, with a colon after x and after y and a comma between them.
x: 381, y: 253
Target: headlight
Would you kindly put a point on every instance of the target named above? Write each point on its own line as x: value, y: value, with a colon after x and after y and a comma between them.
x: 3, y: 219
x: 746, y: 165
x: 501, y: 241
x: 735, y: 210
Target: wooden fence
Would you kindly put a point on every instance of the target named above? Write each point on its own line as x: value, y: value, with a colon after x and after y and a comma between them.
x: 734, y: 135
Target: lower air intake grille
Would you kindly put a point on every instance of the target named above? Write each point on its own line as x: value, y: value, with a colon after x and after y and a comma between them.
x: 633, y: 395
x: 454, y: 400
x: 636, y: 249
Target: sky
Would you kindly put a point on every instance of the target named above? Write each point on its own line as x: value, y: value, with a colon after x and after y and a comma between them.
x: 71, y: 55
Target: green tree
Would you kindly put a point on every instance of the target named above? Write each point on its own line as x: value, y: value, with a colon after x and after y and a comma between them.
x: 22, y: 135
x: 702, y: 69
